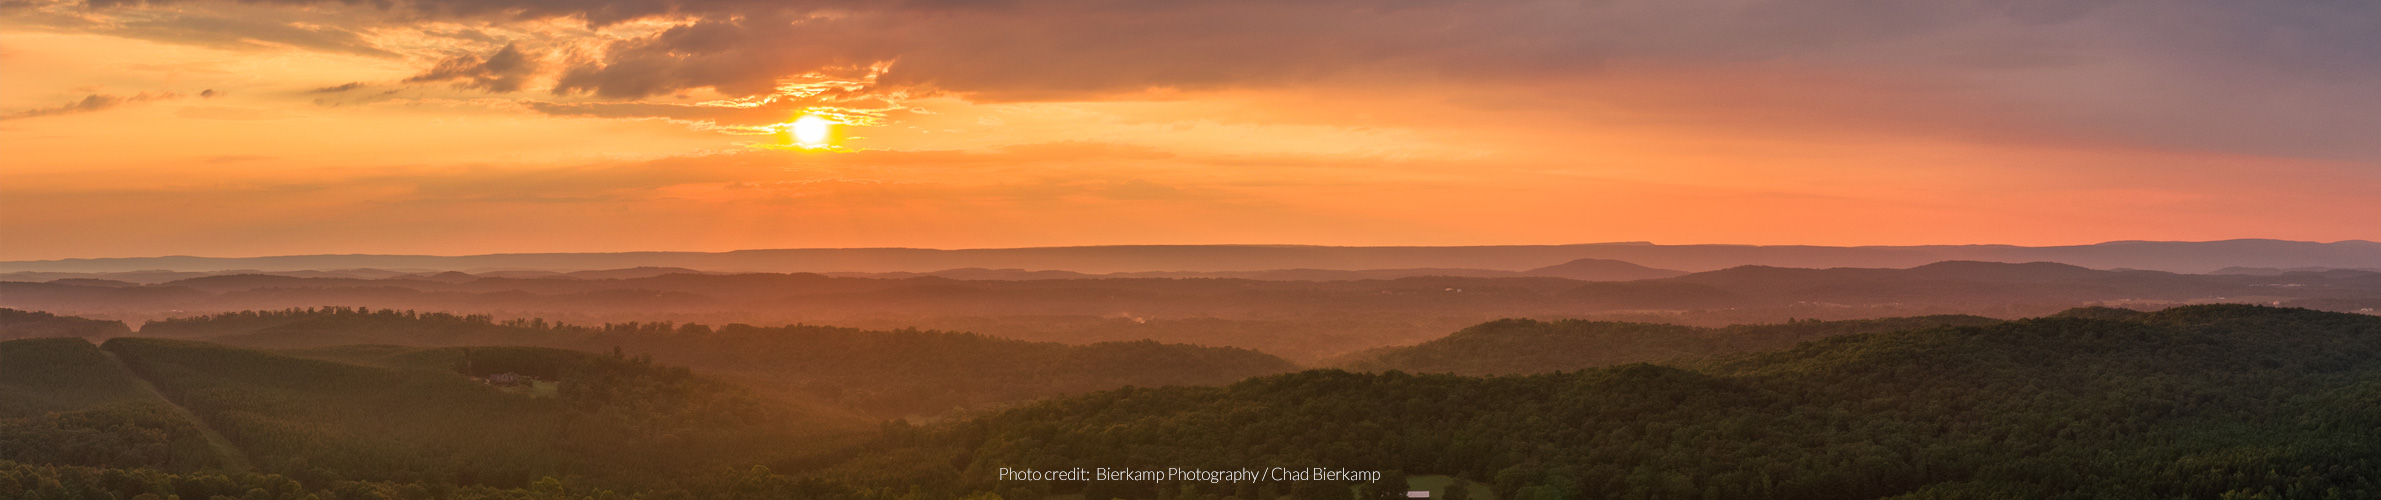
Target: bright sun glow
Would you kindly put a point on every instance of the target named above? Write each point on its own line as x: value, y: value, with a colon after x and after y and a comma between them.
x: 811, y: 130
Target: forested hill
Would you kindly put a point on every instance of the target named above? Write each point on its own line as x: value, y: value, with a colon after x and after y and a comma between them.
x: 1522, y: 346
x: 388, y: 423
x: 888, y: 373
x: 416, y: 415
x: 15, y: 324
x: 63, y: 401
x: 2194, y: 402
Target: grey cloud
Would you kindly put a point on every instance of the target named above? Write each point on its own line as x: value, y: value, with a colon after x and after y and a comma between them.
x: 507, y: 70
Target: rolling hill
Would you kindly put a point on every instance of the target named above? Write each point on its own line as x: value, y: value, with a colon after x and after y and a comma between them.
x: 2219, y: 401
x: 64, y: 401
x: 1521, y: 346
x: 2216, y: 401
x: 891, y: 373
x: 414, y: 415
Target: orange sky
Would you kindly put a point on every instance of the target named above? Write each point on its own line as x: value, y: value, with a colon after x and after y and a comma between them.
x: 197, y: 127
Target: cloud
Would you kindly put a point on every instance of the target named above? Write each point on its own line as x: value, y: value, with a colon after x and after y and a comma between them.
x: 774, y: 112
x: 247, y: 34
x: 1037, y: 49
x: 91, y: 103
x: 507, y: 70
x: 2286, y: 78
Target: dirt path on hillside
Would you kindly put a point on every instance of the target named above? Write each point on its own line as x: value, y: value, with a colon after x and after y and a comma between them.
x: 234, y: 460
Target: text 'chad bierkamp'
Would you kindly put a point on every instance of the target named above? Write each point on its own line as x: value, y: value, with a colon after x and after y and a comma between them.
x: 1194, y: 475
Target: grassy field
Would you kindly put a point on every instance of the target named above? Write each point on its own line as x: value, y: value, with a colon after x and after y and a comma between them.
x: 534, y: 389
x: 1437, y: 486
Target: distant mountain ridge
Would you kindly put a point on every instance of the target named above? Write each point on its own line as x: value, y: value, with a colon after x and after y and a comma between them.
x: 2185, y: 257
x: 1299, y: 320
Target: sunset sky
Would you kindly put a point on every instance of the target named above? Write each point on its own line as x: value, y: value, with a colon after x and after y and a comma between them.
x: 275, y: 127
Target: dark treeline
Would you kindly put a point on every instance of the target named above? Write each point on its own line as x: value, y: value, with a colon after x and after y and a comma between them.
x: 1521, y: 346
x: 15, y: 324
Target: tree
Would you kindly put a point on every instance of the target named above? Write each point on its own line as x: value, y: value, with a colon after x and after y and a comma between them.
x: 1458, y: 490
x: 1392, y: 486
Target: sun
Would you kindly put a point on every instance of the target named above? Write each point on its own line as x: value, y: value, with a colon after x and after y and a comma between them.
x: 811, y: 130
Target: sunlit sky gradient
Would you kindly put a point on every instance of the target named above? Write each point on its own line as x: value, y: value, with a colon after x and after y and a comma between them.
x: 273, y: 127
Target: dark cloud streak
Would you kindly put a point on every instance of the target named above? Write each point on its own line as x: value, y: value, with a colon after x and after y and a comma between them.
x: 507, y: 70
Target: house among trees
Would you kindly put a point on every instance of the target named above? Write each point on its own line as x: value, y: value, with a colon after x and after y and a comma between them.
x: 507, y: 378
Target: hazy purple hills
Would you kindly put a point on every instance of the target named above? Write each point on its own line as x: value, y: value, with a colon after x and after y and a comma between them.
x: 2182, y: 257
x: 1297, y: 319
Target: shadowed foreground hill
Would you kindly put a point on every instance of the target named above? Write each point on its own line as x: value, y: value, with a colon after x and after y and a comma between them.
x: 63, y: 401
x: 2193, y: 402
x: 901, y: 372
x: 1521, y: 346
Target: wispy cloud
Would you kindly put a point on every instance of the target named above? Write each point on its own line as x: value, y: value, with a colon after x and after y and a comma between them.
x: 91, y: 103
